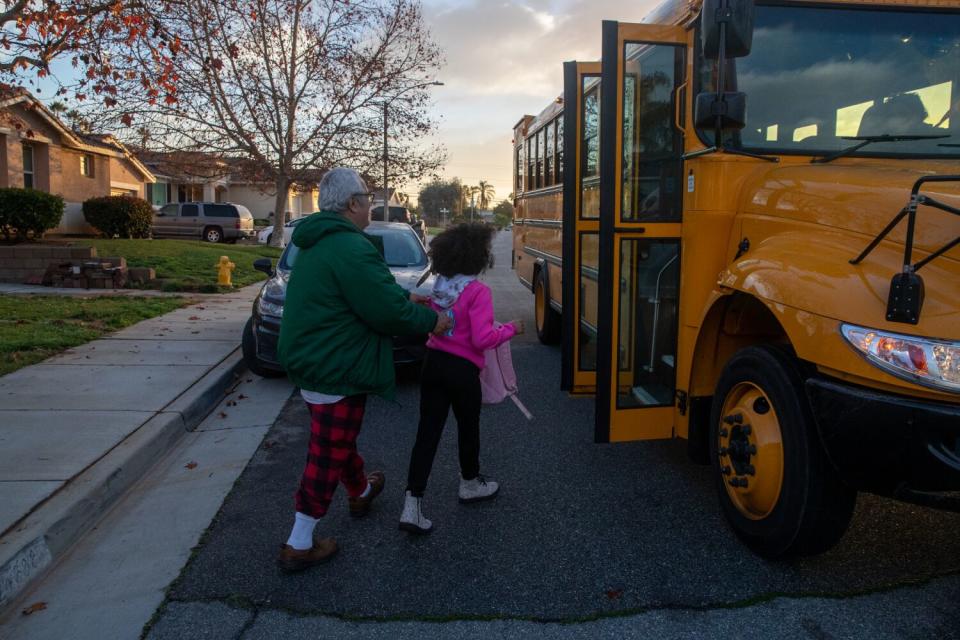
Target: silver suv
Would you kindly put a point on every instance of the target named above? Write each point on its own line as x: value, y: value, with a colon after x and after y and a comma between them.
x: 210, y: 221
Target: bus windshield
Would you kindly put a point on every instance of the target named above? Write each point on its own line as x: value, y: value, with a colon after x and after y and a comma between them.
x: 816, y: 74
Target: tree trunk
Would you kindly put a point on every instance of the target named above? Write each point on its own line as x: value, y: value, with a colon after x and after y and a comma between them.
x: 280, y: 212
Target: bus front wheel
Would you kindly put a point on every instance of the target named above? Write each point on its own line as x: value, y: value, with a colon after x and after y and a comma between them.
x: 547, y: 319
x: 777, y: 489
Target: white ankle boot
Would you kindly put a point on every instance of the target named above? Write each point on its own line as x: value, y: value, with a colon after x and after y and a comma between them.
x: 412, y: 519
x: 477, y: 489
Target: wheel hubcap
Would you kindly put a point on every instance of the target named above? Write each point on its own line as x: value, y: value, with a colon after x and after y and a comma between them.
x: 750, y: 446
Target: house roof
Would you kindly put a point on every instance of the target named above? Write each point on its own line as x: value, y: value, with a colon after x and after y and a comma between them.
x: 104, y: 144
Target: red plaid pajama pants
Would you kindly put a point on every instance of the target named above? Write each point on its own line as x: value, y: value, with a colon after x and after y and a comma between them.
x: 332, y: 455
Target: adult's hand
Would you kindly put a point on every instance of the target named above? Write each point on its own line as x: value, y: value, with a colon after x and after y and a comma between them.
x: 416, y: 298
x: 444, y: 324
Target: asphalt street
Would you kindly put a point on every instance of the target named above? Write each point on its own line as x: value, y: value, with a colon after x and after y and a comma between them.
x: 580, y: 532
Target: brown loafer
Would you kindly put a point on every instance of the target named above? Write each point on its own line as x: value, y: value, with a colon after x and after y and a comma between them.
x: 360, y: 507
x: 292, y: 560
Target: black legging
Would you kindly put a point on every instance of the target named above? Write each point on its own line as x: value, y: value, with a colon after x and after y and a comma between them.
x: 446, y: 380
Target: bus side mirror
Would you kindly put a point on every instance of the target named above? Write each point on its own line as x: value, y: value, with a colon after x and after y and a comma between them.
x: 726, y: 28
x: 729, y: 109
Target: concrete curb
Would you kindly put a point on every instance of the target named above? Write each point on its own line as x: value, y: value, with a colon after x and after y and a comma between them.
x: 47, y: 533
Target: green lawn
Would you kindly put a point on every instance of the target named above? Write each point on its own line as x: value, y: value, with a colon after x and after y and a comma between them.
x: 187, y: 265
x: 33, y: 328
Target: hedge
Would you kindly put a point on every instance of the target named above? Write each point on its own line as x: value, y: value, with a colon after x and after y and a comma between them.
x: 119, y: 216
x: 28, y: 213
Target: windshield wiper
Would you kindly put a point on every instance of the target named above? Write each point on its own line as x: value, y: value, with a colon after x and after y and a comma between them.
x: 865, y: 140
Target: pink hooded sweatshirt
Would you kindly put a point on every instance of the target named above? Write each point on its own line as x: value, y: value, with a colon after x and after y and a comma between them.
x: 474, y: 331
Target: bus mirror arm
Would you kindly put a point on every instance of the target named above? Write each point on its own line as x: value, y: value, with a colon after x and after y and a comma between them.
x: 905, y: 299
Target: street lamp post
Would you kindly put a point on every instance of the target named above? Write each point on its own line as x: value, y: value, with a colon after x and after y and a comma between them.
x: 386, y: 104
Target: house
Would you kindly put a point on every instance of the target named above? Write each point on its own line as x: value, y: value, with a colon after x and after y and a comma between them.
x: 187, y: 176
x: 39, y: 151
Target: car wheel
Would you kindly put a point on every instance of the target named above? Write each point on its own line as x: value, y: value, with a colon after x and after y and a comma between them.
x: 213, y: 234
x: 777, y: 489
x: 547, y: 320
x: 269, y: 238
x: 255, y: 364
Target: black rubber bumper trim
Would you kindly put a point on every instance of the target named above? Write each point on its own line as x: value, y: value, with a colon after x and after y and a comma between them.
x: 881, y: 442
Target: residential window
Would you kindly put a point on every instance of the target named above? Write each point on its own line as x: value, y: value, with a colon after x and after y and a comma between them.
x: 86, y: 165
x: 27, y: 166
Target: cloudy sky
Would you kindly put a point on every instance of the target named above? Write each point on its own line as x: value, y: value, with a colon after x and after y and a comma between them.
x: 503, y: 60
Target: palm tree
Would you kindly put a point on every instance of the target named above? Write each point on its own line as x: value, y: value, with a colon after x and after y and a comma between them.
x: 467, y: 193
x: 485, y: 195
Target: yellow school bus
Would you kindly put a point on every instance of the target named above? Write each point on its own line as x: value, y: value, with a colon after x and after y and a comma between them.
x: 757, y: 250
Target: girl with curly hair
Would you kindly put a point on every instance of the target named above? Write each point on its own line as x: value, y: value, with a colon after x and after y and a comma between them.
x: 451, y: 369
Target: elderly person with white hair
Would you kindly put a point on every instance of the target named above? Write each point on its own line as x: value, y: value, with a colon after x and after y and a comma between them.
x: 342, y: 306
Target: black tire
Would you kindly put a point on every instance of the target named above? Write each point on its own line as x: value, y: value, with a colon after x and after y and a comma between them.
x: 269, y: 239
x: 813, y: 507
x: 249, y: 346
x: 546, y: 319
x: 213, y: 235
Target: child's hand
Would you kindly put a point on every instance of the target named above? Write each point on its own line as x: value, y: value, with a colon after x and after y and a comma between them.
x: 444, y: 324
x: 518, y: 326
x: 416, y: 298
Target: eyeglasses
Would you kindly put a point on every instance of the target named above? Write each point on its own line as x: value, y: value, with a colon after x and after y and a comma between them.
x: 368, y: 194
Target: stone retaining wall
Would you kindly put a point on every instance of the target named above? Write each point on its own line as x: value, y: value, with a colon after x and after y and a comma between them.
x: 27, y: 264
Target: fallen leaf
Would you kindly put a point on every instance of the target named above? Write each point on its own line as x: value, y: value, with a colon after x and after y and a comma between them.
x: 614, y: 594
x: 231, y: 403
x: 194, y: 332
x: 190, y: 465
x: 269, y: 444
x: 36, y: 606
x: 193, y: 318
x: 200, y: 307
x: 222, y: 414
x: 241, y: 397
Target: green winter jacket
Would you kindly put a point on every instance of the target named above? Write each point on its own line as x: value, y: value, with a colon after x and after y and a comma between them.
x: 341, y: 308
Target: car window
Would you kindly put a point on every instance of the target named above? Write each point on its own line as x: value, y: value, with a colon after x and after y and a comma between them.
x: 401, y: 248
x: 220, y: 211
x: 169, y: 210
x: 189, y: 211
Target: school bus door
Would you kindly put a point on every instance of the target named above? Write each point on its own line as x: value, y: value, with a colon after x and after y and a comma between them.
x: 641, y: 171
x: 581, y: 225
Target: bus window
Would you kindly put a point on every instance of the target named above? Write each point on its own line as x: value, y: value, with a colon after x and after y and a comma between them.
x: 540, y: 158
x: 590, y: 150
x: 559, y: 164
x: 550, y: 156
x: 518, y: 187
x: 651, y: 143
x: 531, y: 161
x: 648, y: 325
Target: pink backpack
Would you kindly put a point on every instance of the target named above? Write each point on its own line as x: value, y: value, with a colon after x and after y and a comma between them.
x: 498, y: 380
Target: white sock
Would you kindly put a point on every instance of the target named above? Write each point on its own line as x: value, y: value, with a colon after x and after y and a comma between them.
x: 301, y: 537
x: 366, y: 491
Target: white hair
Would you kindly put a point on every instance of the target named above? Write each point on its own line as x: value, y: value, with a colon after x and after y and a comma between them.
x: 338, y: 186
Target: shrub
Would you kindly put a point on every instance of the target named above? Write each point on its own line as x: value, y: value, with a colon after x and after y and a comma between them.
x: 119, y: 216
x: 28, y: 213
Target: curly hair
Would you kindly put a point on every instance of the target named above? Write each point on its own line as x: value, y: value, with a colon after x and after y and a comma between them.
x: 464, y: 248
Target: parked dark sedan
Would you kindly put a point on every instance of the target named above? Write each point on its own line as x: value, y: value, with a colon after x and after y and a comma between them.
x: 407, y: 259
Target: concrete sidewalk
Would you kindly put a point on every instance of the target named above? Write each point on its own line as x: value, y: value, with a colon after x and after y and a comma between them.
x: 79, y: 429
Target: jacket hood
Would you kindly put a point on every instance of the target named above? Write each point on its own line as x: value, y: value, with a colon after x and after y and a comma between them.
x: 446, y: 291
x: 318, y: 225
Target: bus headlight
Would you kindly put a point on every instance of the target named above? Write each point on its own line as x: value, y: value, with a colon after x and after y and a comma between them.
x: 932, y: 363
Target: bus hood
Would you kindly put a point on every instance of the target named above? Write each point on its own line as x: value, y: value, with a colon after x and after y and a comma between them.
x: 860, y: 197
x: 806, y: 222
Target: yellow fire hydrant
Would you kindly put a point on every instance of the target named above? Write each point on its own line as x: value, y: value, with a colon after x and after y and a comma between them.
x: 224, y: 269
